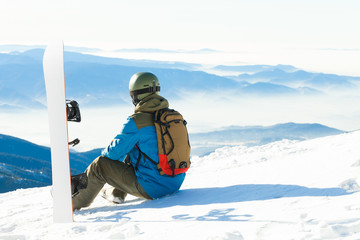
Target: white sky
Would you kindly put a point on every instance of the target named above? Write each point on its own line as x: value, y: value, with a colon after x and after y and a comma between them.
x: 318, y: 35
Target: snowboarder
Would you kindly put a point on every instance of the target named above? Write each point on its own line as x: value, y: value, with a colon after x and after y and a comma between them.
x: 121, y: 165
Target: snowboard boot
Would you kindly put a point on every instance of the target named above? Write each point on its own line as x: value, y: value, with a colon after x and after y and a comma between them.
x: 78, y: 182
x: 114, y: 195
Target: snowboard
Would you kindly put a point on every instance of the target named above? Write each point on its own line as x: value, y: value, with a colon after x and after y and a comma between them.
x: 53, y: 64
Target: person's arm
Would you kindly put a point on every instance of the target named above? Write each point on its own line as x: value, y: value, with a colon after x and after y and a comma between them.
x: 123, y: 142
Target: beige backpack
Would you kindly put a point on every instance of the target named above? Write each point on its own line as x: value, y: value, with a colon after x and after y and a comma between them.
x: 173, y: 142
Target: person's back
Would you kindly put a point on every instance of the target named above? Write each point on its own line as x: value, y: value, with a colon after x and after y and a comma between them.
x: 136, y: 175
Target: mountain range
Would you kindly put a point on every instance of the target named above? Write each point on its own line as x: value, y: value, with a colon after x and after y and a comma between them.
x: 24, y: 164
x: 205, y: 143
x: 301, y: 78
x: 95, y: 80
x: 255, y: 68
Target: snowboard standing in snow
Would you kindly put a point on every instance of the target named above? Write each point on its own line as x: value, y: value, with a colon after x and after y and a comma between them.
x: 60, y: 111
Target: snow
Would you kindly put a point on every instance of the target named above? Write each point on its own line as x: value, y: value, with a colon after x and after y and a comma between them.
x: 282, y: 190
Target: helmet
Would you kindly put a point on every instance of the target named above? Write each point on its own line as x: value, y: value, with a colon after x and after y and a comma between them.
x: 143, y: 84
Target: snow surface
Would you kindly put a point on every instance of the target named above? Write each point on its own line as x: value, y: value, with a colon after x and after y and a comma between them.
x: 282, y: 190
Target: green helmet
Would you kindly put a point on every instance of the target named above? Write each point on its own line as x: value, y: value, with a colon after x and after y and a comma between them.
x: 143, y: 84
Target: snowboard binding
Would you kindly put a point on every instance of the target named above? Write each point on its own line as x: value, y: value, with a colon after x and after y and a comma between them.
x: 73, y: 114
x: 74, y: 142
x: 78, y: 182
x: 73, y: 111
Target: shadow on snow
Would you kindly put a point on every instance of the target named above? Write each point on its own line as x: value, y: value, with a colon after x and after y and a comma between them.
x: 239, y: 193
x: 218, y: 195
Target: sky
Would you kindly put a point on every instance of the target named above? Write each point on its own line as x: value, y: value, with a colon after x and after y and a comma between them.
x: 317, y: 35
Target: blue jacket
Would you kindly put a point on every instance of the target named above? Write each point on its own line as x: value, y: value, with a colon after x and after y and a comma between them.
x: 139, y: 129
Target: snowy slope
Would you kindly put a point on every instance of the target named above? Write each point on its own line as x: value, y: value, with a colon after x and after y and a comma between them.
x: 282, y: 190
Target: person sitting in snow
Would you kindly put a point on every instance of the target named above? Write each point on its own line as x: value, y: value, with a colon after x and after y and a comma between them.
x: 118, y: 165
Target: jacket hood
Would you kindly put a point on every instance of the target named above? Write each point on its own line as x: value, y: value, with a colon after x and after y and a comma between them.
x: 151, y: 103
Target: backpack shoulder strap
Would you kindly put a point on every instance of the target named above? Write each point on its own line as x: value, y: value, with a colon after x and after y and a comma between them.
x: 147, y: 157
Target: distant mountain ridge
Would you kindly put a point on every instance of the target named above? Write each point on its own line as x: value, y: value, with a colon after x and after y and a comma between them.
x: 96, y: 81
x: 24, y: 164
x: 301, y: 78
x: 258, y: 135
x: 254, y: 68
